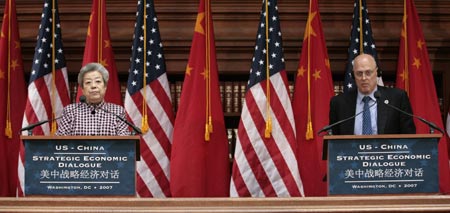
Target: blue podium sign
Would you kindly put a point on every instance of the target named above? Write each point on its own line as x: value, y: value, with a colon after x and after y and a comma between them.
x: 383, y: 164
x: 80, y: 165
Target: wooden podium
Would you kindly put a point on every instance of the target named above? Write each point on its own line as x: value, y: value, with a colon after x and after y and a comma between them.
x: 382, y: 164
x: 80, y: 165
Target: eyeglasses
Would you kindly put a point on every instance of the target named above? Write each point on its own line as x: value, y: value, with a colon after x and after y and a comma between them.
x: 367, y: 73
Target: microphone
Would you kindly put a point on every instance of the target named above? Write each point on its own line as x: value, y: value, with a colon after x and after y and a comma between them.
x: 329, y: 127
x: 82, y: 99
x: 135, y: 128
x: 32, y: 126
x: 430, y: 124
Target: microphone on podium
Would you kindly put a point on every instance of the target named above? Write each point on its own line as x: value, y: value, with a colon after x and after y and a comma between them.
x: 32, y: 126
x: 430, y: 124
x: 82, y: 99
x: 329, y: 127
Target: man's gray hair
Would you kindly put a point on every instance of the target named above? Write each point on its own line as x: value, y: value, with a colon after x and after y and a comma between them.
x: 93, y: 67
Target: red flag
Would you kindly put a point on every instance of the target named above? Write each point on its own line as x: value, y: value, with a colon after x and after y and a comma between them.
x: 313, y: 90
x: 98, y: 49
x: 199, y: 161
x: 414, y: 75
x: 12, y: 99
x: 265, y: 162
x: 48, y: 89
x: 148, y: 104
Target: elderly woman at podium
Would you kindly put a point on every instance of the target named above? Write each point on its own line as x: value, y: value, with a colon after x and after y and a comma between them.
x: 92, y: 115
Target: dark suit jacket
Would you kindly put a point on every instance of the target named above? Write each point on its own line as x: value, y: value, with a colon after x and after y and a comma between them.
x: 389, y: 121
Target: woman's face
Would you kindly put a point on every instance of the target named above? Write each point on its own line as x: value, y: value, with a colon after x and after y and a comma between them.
x: 94, y: 87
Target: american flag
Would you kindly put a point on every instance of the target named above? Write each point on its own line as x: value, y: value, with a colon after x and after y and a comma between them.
x: 266, y: 166
x: 48, y: 89
x: 150, y: 101
x: 361, y: 41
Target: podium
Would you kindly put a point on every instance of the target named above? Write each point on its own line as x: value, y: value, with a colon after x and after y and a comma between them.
x: 382, y: 164
x: 80, y: 165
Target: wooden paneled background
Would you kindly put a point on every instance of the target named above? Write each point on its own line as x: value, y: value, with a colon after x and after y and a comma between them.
x: 235, y: 23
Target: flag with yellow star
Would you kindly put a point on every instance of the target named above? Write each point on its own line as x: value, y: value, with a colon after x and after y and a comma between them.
x: 48, y: 87
x: 313, y: 90
x: 414, y: 74
x: 98, y: 49
x: 12, y: 99
x: 199, y: 165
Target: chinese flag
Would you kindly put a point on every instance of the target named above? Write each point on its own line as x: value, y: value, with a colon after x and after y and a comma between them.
x: 12, y: 99
x: 414, y: 75
x: 199, y: 159
x: 313, y: 90
x: 98, y: 49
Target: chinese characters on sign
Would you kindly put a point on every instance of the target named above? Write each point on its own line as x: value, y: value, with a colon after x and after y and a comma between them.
x: 80, y: 167
x: 389, y: 166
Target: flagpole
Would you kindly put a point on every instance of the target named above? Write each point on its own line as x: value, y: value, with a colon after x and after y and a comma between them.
x: 268, y: 129
x: 208, y: 123
x: 53, y: 93
x: 144, y: 121
x: 361, y: 38
x: 8, y: 128
x: 309, y: 129
x: 99, y: 31
x: 208, y: 47
x: 405, y: 27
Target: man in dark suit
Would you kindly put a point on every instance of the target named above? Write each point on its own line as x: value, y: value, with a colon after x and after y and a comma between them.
x: 383, y: 119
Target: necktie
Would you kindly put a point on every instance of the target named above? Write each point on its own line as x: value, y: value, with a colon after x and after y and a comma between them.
x: 367, y: 123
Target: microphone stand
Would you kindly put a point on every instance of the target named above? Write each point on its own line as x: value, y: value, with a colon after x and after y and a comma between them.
x: 135, y: 128
x: 431, y: 125
x: 329, y: 128
x: 30, y: 127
